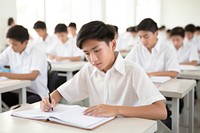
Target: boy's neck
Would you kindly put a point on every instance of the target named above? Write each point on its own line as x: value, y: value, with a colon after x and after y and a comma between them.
x: 111, y: 62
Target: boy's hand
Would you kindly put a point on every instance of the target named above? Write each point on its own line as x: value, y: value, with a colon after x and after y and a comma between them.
x: 102, y: 110
x: 46, y: 106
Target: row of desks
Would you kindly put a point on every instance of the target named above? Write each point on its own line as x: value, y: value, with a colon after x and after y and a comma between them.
x: 175, y: 88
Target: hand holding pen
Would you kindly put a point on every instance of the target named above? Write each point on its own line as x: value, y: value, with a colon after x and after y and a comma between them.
x: 47, y: 104
x: 50, y: 101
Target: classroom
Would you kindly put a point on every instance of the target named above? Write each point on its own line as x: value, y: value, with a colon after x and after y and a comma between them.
x: 100, y: 66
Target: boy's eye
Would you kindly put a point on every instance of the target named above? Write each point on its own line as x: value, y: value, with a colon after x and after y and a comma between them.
x: 87, y: 54
x: 97, y: 50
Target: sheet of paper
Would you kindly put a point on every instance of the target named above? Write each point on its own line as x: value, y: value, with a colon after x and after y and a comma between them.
x: 160, y: 79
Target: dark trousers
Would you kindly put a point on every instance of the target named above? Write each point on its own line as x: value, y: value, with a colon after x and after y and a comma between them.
x: 11, y: 98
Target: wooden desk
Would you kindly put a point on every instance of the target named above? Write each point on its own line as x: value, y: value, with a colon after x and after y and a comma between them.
x: 12, y: 124
x: 176, y: 89
x: 68, y: 67
x: 11, y: 85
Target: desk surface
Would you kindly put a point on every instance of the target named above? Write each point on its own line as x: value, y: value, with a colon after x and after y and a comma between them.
x: 177, y: 88
x: 12, y: 124
x: 9, y: 84
x: 68, y: 66
x: 193, y: 73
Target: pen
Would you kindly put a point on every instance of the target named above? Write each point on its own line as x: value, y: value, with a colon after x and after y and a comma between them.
x: 50, y: 101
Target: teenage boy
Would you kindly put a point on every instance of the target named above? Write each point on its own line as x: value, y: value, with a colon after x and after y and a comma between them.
x: 26, y: 63
x: 65, y: 48
x: 115, y: 87
x: 157, y: 58
x: 45, y: 41
x: 72, y: 30
x: 187, y: 54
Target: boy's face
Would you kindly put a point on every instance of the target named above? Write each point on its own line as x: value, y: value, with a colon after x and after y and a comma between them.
x: 177, y: 41
x: 71, y: 30
x: 100, y: 54
x: 148, y: 38
x: 189, y: 35
x: 41, y: 32
x: 62, y: 36
x: 17, y: 46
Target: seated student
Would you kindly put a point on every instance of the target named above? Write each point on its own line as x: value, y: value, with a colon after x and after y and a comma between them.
x: 45, y: 41
x: 157, y: 58
x: 190, y: 37
x: 127, y: 40
x: 26, y: 63
x: 186, y: 54
x: 65, y: 48
x: 115, y: 87
x: 72, y: 30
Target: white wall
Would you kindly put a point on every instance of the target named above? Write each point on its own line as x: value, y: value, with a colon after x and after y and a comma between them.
x: 7, y: 9
x: 180, y: 12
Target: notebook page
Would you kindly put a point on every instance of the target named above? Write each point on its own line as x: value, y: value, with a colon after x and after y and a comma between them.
x: 187, y: 67
x: 160, y: 79
x: 37, y: 113
x: 75, y: 117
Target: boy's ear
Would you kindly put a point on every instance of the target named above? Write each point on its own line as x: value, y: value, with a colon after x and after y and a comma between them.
x: 25, y: 42
x: 113, y: 44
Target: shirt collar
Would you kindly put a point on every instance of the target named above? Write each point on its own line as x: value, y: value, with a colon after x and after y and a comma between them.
x: 119, y: 66
x: 157, y: 46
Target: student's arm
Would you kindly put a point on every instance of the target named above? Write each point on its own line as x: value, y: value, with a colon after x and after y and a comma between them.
x: 75, y: 58
x: 155, y: 111
x: 194, y: 63
x: 171, y: 74
x: 29, y: 76
x: 45, y: 104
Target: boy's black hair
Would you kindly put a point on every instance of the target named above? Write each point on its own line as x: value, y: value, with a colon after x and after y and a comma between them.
x: 131, y: 29
x: 72, y: 25
x: 60, y: 28
x: 190, y: 28
x: 40, y: 25
x: 147, y: 25
x: 177, y: 31
x: 18, y: 32
x: 197, y: 28
x: 169, y: 31
x: 10, y: 21
x: 96, y: 30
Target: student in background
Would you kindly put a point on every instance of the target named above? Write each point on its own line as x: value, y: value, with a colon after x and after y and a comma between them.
x: 156, y: 58
x: 162, y: 33
x: 115, y: 87
x: 197, y: 31
x: 45, y: 41
x: 186, y: 54
x: 72, y: 30
x: 127, y: 40
x: 10, y: 23
x: 65, y: 48
x: 26, y: 63
x: 190, y: 38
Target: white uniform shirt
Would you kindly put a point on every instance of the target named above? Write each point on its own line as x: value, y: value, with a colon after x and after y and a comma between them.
x: 125, y: 83
x: 46, y: 45
x: 30, y: 59
x: 68, y: 49
x: 187, y: 53
x: 162, y: 58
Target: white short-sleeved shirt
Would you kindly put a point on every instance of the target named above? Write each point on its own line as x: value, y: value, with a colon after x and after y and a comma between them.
x: 46, y: 45
x: 187, y: 53
x: 30, y: 59
x: 68, y: 49
x: 162, y: 58
x: 125, y: 84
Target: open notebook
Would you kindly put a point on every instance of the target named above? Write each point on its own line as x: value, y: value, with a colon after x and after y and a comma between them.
x: 65, y: 114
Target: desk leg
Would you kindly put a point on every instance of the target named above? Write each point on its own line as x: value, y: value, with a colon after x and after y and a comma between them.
x: 0, y: 103
x: 69, y: 75
x: 22, y: 96
x: 175, y: 115
x: 191, y: 111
